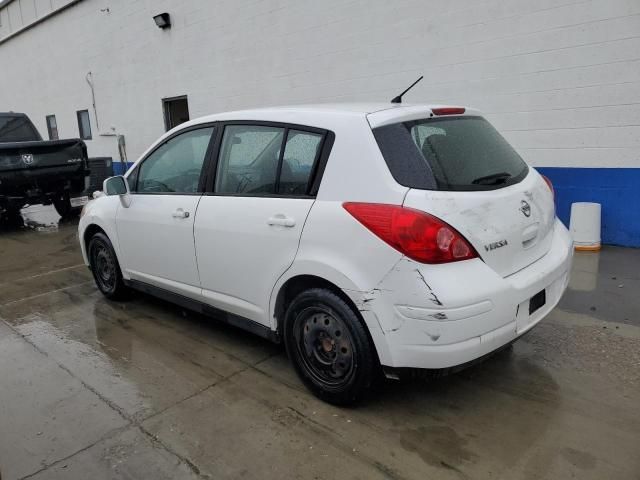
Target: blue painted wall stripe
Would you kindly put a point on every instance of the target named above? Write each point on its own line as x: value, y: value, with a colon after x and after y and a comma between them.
x: 616, y: 189
x: 119, y: 168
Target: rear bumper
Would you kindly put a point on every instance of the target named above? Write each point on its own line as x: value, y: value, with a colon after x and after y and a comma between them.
x: 441, y: 316
x: 43, y: 189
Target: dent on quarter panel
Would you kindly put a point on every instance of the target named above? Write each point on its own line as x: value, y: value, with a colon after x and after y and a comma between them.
x: 432, y: 298
x: 401, y: 285
x: 431, y: 295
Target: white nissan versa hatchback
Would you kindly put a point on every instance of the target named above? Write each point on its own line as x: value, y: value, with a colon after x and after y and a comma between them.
x: 366, y: 238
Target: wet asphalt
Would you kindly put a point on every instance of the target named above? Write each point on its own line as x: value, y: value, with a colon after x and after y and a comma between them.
x: 92, y: 389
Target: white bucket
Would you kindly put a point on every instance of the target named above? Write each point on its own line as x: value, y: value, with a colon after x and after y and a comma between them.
x: 585, y: 225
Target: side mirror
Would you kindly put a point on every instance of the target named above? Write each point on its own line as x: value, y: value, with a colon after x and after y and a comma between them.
x: 118, y: 186
x: 115, y: 186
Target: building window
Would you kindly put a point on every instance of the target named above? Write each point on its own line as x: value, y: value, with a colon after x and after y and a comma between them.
x: 176, y: 111
x: 52, y: 127
x: 84, y: 124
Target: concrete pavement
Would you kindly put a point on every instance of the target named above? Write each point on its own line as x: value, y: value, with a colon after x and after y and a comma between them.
x: 143, y: 389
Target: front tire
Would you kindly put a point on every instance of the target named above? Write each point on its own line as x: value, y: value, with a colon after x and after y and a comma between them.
x: 328, y: 344
x: 105, y: 267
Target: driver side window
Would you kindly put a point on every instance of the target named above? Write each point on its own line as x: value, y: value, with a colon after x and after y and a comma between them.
x: 176, y: 166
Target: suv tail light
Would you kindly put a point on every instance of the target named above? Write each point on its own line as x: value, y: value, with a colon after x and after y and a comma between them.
x: 418, y: 235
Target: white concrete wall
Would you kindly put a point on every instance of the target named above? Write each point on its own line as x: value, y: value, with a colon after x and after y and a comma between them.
x: 560, y: 78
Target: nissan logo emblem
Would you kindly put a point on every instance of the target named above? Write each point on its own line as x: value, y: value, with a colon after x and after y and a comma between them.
x: 525, y: 208
x: 27, y: 158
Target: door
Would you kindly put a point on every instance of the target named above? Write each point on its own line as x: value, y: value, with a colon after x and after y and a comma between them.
x: 155, y: 231
x: 248, y: 229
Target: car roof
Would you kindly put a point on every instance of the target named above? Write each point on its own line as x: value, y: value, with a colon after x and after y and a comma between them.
x: 332, y: 108
x: 289, y: 113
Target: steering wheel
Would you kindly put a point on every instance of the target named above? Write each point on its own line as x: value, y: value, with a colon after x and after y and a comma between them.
x: 152, y: 185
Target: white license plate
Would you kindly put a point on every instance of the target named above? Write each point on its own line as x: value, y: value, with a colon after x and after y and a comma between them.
x: 79, y: 201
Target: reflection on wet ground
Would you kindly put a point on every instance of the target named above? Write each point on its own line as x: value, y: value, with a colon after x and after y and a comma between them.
x: 606, y: 285
x: 143, y: 389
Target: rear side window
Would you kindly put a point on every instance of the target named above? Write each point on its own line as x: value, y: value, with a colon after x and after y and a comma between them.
x: 252, y: 160
x: 17, y: 128
x: 458, y: 153
x: 248, y: 162
x: 300, y: 154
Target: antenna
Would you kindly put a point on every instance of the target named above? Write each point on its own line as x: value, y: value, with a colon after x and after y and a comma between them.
x: 398, y: 99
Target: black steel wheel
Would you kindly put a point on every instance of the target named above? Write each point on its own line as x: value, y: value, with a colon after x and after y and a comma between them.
x: 12, y: 217
x: 105, y: 267
x: 324, y: 345
x: 329, y: 347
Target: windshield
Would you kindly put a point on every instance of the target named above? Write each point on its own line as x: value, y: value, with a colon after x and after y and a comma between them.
x: 457, y: 153
x: 17, y: 128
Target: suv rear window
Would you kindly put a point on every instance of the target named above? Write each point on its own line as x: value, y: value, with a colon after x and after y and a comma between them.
x: 17, y: 128
x: 457, y: 153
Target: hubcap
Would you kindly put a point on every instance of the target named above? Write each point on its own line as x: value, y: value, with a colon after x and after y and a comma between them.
x: 325, y: 346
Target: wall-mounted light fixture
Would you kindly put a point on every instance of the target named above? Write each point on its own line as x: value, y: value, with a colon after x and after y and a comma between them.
x: 163, y: 20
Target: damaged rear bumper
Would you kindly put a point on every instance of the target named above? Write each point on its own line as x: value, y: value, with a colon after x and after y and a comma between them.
x: 441, y: 316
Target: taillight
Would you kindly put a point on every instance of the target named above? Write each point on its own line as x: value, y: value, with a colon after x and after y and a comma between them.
x: 448, y: 111
x: 550, y: 185
x: 418, y: 235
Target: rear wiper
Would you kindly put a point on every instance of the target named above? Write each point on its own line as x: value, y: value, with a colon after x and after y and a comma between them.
x: 493, y: 179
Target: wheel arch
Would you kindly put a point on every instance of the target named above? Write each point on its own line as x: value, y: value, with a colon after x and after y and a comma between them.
x: 90, y: 230
x: 297, y: 283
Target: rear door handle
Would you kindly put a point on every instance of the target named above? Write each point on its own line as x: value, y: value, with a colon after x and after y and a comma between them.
x: 282, y: 221
x: 180, y: 213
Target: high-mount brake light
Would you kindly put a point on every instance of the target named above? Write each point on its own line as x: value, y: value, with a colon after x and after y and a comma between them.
x: 418, y: 235
x: 448, y: 111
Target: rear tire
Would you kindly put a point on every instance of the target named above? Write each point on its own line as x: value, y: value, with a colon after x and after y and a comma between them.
x: 105, y: 267
x: 329, y: 347
x: 62, y: 204
x: 13, y: 217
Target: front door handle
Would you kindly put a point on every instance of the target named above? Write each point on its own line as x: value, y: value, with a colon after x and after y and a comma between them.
x: 180, y: 213
x: 282, y: 221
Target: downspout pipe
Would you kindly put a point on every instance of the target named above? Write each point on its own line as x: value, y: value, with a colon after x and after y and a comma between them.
x: 89, y: 79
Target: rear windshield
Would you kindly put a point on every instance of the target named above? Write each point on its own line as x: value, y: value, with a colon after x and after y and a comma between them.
x: 17, y: 128
x: 456, y: 153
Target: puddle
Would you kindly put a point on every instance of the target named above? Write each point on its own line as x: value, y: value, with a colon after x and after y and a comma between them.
x: 602, y: 285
